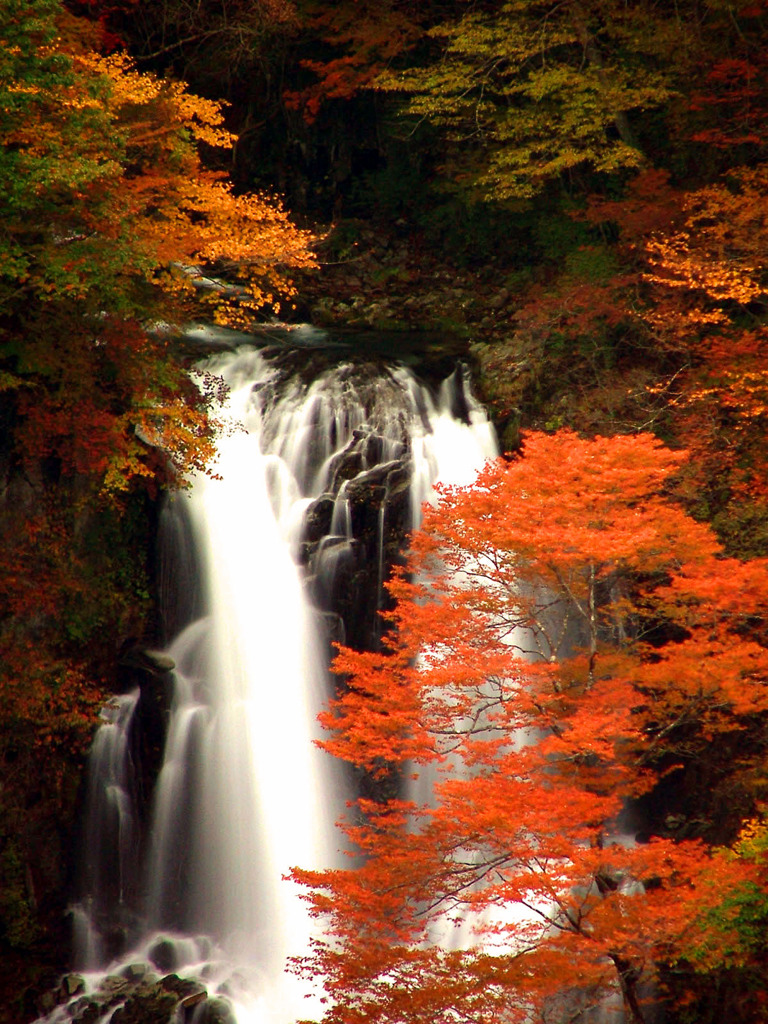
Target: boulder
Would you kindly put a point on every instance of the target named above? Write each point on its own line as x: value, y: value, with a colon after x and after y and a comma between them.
x: 146, y: 660
x: 154, y: 1007
x: 71, y: 985
x: 214, y: 1011
x: 85, y: 1010
x: 317, y: 519
x: 163, y: 955
x: 135, y: 972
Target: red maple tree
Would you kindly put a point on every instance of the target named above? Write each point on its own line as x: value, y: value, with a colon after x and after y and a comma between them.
x: 564, y: 635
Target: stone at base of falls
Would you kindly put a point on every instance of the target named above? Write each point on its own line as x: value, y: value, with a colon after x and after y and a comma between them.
x: 138, y: 996
x: 164, y: 955
x: 150, y: 1008
x: 214, y: 1011
x: 190, y: 1001
x: 71, y: 984
x: 135, y: 972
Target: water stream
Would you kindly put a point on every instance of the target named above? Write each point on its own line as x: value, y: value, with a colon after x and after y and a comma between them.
x: 317, y: 482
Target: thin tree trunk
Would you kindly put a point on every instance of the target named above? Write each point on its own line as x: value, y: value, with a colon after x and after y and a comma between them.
x: 595, y: 58
x: 628, y: 979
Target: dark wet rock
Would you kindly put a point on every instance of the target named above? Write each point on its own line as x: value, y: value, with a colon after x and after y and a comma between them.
x: 47, y: 1002
x: 136, y: 972
x: 145, y: 660
x: 155, y: 1007
x: 147, y: 735
x: 317, y: 518
x: 134, y: 996
x: 149, y: 671
x: 194, y: 999
x: 71, y: 985
x: 159, y: 662
x: 346, y: 465
x: 214, y: 1011
x: 85, y: 1010
x: 393, y: 476
x: 163, y: 955
x: 345, y: 573
x: 114, y: 986
x: 332, y: 628
x: 181, y: 987
x: 460, y: 404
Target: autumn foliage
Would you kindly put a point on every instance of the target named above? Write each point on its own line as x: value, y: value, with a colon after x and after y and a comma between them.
x: 575, y: 668
x: 106, y: 200
x: 565, y: 638
x: 109, y: 198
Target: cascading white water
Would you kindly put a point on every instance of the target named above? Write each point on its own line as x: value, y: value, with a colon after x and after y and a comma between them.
x: 106, y: 867
x: 243, y: 794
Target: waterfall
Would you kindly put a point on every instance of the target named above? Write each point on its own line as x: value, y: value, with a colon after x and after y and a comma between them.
x: 106, y: 868
x: 317, y: 482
